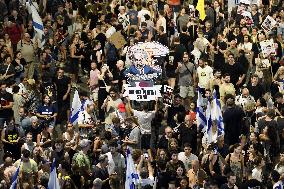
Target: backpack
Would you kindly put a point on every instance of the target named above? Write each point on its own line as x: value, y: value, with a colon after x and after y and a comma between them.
x: 111, y: 54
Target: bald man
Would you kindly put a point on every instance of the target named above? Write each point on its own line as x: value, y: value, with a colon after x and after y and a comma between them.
x: 164, y: 140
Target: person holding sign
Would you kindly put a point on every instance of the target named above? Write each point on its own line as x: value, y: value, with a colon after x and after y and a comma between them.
x: 145, y: 118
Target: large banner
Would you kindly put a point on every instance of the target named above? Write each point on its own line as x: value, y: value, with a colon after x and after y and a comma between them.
x: 146, y: 61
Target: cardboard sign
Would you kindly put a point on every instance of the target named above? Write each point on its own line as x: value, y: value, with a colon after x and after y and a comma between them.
x: 118, y: 40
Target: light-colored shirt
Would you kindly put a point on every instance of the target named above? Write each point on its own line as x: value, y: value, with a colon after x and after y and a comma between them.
x: 187, y: 159
x: 204, y: 76
x: 144, y: 120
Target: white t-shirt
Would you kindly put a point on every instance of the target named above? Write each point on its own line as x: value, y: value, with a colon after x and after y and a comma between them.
x: 257, y: 174
x: 112, y: 164
x: 141, y: 15
x: 85, y: 118
x: 187, y: 159
x: 148, y: 181
x: 144, y: 120
x: 204, y: 76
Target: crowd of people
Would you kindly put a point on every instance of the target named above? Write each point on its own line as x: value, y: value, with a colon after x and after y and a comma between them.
x: 221, y: 54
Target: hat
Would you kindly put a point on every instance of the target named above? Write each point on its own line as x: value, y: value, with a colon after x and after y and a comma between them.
x: 84, y: 143
x: 31, y: 81
x: 121, y: 107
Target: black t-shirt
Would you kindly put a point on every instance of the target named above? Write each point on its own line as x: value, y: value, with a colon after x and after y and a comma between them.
x: 184, y: 39
x: 253, y: 183
x: 172, y: 111
x: 235, y: 71
x: 209, y: 35
x: 188, y: 135
x: 225, y: 186
x: 5, y: 99
x: 163, y: 180
x: 233, y: 123
x: 35, y: 131
x: 103, y: 175
x: 163, y: 39
x: 163, y: 143
x: 62, y: 87
x: 256, y: 91
x: 49, y: 89
x: 120, y: 77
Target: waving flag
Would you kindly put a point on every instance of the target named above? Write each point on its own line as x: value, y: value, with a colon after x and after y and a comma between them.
x: 53, y: 182
x: 15, y: 178
x: 37, y: 22
x: 200, y: 117
x: 132, y: 177
x: 201, y: 9
x: 217, y: 114
x: 209, y: 122
x: 76, y: 108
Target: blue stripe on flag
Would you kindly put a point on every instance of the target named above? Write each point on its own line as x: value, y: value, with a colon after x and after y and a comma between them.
x: 74, y: 117
x: 37, y: 25
x: 15, y: 177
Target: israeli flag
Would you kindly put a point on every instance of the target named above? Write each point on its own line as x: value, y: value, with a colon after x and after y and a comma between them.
x: 209, y: 122
x: 76, y: 108
x: 200, y: 117
x: 132, y: 178
x: 217, y: 114
x: 37, y: 22
x: 15, y: 178
x: 53, y: 182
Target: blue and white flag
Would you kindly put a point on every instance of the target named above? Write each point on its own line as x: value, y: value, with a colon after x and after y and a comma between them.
x: 76, y: 108
x: 217, y: 114
x: 200, y: 117
x: 209, y: 123
x: 53, y: 182
x: 37, y: 22
x: 132, y: 178
x: 15, y: 178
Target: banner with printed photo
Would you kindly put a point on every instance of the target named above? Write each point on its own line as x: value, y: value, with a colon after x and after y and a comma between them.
x: 267, y: 48
x: 146, y: 60
x: 268, y: 24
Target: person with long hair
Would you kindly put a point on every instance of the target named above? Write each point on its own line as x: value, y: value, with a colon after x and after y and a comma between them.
x: 19, y: 62
x: 75, y: 57
x: 235, y: 161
